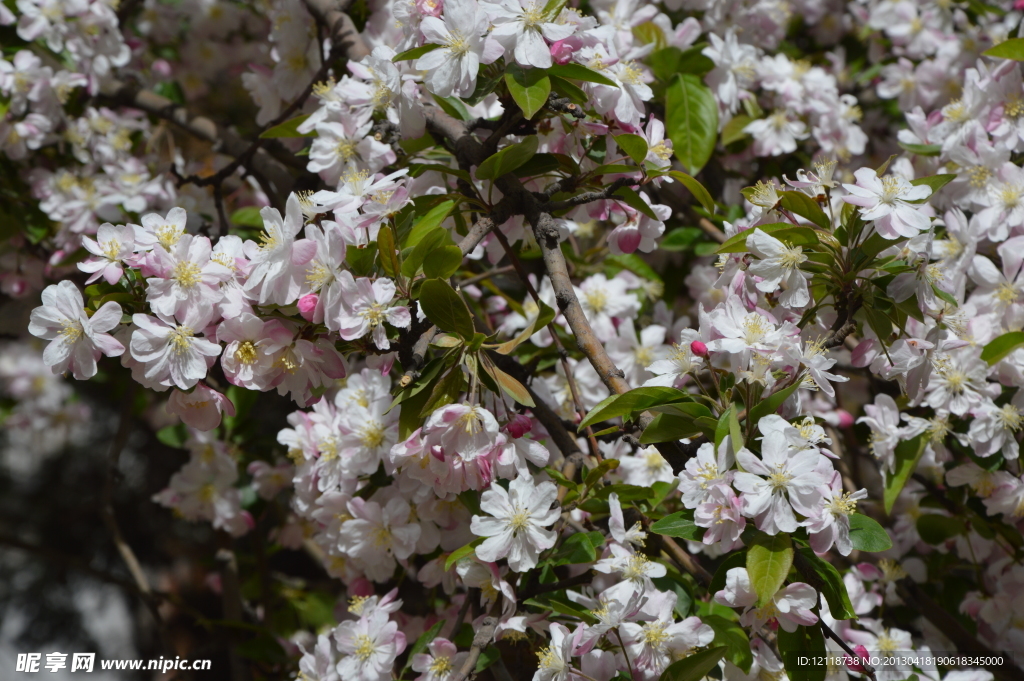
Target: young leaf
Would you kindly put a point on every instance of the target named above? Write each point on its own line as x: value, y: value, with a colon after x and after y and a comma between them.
x: 1008, y: 49
x: 868, y: 535
x: 426, y: 224
x: 460, y: 553
x: 771, y: 404
x: 768, y: 561
x: 828, y: 581
x: 679, y: 525
x: 634, y: 201
x: 414, y: 53
x: 442, y: 262
x: 691, y: 120
x: 249, y: 216
x: 422, y: 642
x: 637, y: 399
x: 446, y: 308
x: 514, y: 388
x: 634, y: 146
x: 1001, y: 346
x: 580, y: 72
x: 287, y: 129
x: 508, y: 159
x: 669, y: 428
x: 734, y: 638
x: 908, y: 453
x: 544, y: 317
x: 806, y: 207
x: 694, y: 667
x: 578, y: 548
x: 529, y: 88
x: 388, y: 254
x: 696, y: 188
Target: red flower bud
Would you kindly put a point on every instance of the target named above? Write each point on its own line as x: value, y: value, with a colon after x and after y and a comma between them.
x: 519, y: 426
x: 698, y: 348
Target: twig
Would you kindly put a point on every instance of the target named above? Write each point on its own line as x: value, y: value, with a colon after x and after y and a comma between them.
x: 345, y: 39
x: 461, y: 617
x: 686, y: 561
x: 538, y: 589
x: 496, y: 272
x: 481, y: 640
x: 860, y: 661
x: 712, y: 231
x: 107, y: 505
x: 589, y: 197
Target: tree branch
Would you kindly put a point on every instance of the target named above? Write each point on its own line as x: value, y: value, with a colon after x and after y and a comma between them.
x: 481, y: 640
x: 345, y: 39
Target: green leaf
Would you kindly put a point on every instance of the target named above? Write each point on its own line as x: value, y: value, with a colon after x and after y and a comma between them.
x: 634, y: 146
x: 734, y: 638
x: 598, y: 472
x: 445, y: 392
x: 679, y: 525
x: 578, y: 548
x: 508, y: 159
x: 453, y: 106
x: 460, y: 553
x: 173, y: 436
x: 637, y: 399
x: 426, y: 224
x: 694, y: 667
x: 580, y: 72
x: 768, y: 561
x: 937, y: 529
x: 806, y: 207
x: 360, y: 260
x: 802, y: 653
x: 544, y: 317
x: 696, y: 188
x: 414, y: 260
x: 936, y: 182
x: 908, y: 453
x: 414, y: 53
x: 771, y: 404
x: 681, y: 239
x: 923, y: 149
x: 446, y: 308
x: 1001, y: 346
x: 691, y: 120
x: 510, y: 385
x: 488, y: 656
x: 828, y: 581
x: 249, y: 216
x: 443, y: 262
x: 287, y: 129
x: 634, y: 201
x: 635, y: 264
x: 868, y: 535
x: 388, y: 253
x: 783, y: 231
x: 529, y: 88
x: 566, y: 89
x: 421, y: 644
x: 1008, y: 49
x: 669, y: 428
x: 734, y: 130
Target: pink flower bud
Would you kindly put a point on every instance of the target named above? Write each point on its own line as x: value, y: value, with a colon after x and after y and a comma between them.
x: 307, y: 305
x: 855, y: 664
x: 698, y: 348
x: 845, y: 418
x: 519, y: 426
x: 429, y: 8
x: 561, y: 52
x: 162, y: 67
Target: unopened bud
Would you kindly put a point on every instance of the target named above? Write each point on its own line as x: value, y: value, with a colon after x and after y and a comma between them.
x: 307, y: 305
x: 519, y: 426
x: 698, y: 348
x: 854, y: 663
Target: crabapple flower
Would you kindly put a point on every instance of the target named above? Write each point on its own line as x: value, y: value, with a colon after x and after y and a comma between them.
x: 704, y: 472
x: 365, y: 306
x: 184, y: 277
x: 778, y: 483
x: 887, y: 201
x: 682, y: 360
x: 160, y: 231
x: 201, y: 408
x: 518, y: 522
x: 440, y: 662
x: 278, y: 261
x: 721, y: 512
x: 655, y: 644
x: 556, y: 659
x: 790, y: 606
x: 378, y: 534
x: 883, y: 418
x: 76, y: 339
x: 171, y: 352
x: 461, y: 32
x: 829, y: 523
x: 779, y: 263
x: 369, y: 646
x: 520, y: 26
x: 113, y: 245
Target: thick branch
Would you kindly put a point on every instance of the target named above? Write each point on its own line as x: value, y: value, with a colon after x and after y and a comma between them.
x: 481, y: 640
x: 345, y: 39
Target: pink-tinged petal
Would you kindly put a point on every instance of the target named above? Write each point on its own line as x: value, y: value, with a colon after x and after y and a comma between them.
x: 303, y: 251
x: 105, y: 318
